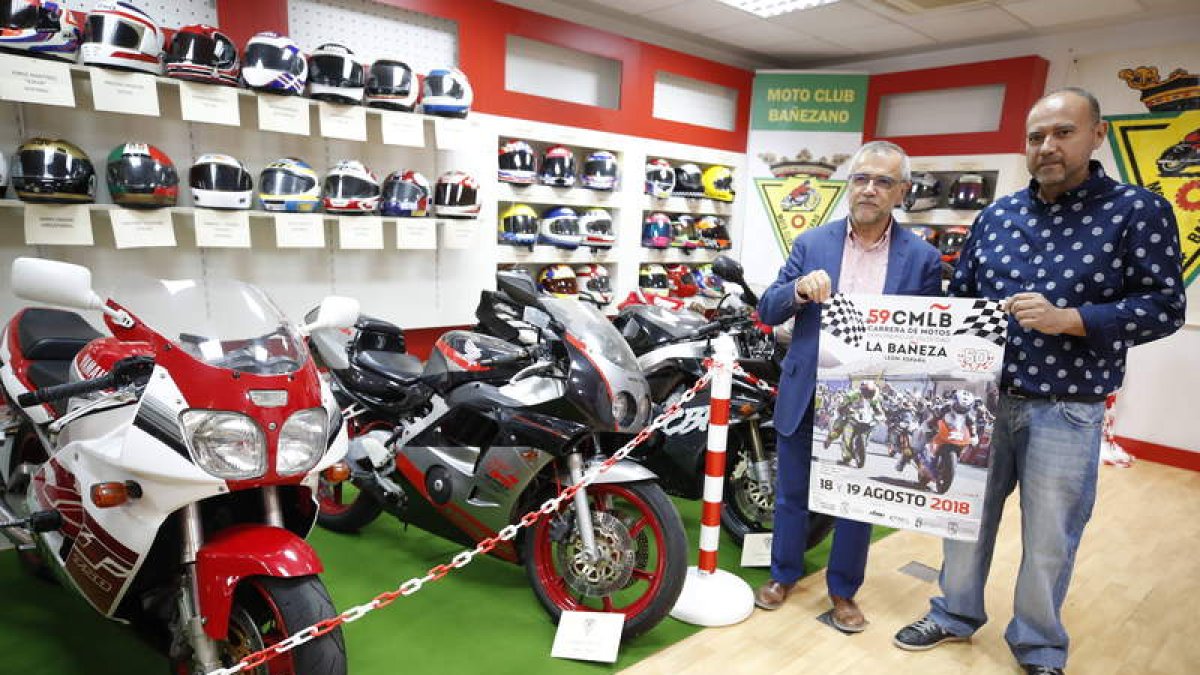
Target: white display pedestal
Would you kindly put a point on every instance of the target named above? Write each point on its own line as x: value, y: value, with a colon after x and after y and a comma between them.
x: 713, y: 599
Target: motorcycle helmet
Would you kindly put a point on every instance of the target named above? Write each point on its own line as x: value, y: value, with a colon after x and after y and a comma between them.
x: 969, y: 191
x: 710, y: 285
x: 220, y: 182
x: 517, y: 163
x: 141, y: 175
x: 558, y: 167
x: 594, y: 284
x: 120, y: 35
x: 718, y: 183
x: 273, y: 63
x: 867, y: 389
x: 951, y: 241
x: 350, y: 187
x: 600, y: 171
x: 446, y: 93
x: 456, y: 195
x: 682, y: 281
x: 3, y: 176
x: 405, y: 195
x: 687, y: 181
x: 923, y: 194
x: 713, y: 234
x: 656, y: 230
x: 52, y: 171
x: 40, y: 28
x: 519, y: 226
x: 559, y: 227
x: 392, y: 85
x: 335, y: 75
x: 653, y: 280
x: 962, y: 401
x: 660, y: 178
x: 597, y: 228
x: 203, y: 53
x: 559, y: 280
x: 683, y: 232
x: 289, y: 185
x: 925, y: 232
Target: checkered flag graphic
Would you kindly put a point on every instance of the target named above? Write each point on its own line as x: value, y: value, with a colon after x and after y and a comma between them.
x: 842, y: 320
x: 987, y: 321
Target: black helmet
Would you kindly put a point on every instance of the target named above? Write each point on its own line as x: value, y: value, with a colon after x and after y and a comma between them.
x: 969, y: 191
x: 924, y: 193
x: 53, y: 171
x: 141, y: 175
x: 392, y: 85
x: 517, y: 163
x: 688, y: 182
x: 558, y: 166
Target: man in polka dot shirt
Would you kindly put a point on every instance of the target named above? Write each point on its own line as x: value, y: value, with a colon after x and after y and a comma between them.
x: 1087, y: 268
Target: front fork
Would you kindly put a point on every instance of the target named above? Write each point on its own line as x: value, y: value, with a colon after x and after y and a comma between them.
x: 760, y: 464
x: 583, y: 511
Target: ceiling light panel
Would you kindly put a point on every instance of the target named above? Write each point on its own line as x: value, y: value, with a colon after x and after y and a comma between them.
x: 769, y: 8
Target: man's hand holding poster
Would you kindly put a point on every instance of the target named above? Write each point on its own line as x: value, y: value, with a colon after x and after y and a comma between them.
x: 906, y: 397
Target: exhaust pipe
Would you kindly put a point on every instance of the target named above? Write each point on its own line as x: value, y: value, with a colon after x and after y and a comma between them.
x: 18, y: 535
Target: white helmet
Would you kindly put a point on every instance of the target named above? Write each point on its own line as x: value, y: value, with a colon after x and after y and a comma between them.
x: 119, y: 35
x: 559, y: 226
x: 273, y: 62
x: 596, y: 226
x: 456, y: 195
x: 335, y: 75
x: 350, y: 187
x: 446, y: 92
x: 594, y: 283
x: 220, y: 182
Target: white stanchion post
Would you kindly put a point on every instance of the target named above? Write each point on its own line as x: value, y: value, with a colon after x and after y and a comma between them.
x: 713, y: 597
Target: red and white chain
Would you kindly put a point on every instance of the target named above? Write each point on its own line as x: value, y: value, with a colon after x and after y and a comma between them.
x: 755, y: 380
x: 464, y: 558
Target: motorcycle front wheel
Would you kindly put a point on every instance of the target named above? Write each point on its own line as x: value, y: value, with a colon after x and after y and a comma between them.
x: 343, y: 508
x: 641, y: 562
x: 947, y: 460
x: 859, y: 450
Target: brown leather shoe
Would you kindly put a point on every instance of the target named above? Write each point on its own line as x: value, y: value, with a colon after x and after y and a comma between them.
x: 847, y: 616
x: 772, y: 594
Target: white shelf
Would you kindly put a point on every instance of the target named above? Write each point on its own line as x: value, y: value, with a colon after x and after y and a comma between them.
x: 699, y: 256
x: 939, y: 217
x: 548, y: 255
x: 696, y: 206
x: 557, y: 196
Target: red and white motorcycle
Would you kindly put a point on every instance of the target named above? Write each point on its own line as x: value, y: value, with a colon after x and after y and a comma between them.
x: 168, y: 473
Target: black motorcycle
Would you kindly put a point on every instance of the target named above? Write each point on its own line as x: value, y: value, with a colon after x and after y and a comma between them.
x: 485, y: 431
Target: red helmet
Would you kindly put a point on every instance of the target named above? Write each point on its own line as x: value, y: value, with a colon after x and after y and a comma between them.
x: 203, y: 53
x: 682, y: 280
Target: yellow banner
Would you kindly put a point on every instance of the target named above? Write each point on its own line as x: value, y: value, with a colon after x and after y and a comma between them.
x: 797, y: 203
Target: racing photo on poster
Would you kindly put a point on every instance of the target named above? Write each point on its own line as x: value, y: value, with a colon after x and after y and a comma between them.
x: 904, y: 409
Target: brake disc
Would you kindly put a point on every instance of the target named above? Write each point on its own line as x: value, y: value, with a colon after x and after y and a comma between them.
x: 615, y: 558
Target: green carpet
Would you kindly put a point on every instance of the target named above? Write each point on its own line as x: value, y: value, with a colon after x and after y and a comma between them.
x: 483, y: 618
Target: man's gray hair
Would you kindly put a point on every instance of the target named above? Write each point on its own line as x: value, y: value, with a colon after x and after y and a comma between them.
x: 883, y: 148
x: 1093, y: 104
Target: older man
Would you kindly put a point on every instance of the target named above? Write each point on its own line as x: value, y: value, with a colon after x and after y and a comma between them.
x: 868, y: 252
x: 1089, y: 267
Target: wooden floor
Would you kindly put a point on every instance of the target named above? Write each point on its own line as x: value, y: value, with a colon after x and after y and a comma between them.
x: 1133, y: 606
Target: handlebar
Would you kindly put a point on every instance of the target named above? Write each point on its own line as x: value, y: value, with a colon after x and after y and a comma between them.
x: 125, y: 371
x: 522, y: 355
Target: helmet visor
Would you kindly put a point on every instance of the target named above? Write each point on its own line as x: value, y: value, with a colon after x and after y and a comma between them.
x: 140, y: 172
x: 271, y: 57
x: 404, y: 192
x: 520, y: 224
x: 520, y: 160
x: 600, y: 226
x: 599, y: 284
x: 18, y: 15
x: 455, y: 194
x: 600, y: 168
x: 557, y: 167
x: 443, y: 85
x: 222, y: 177
x: 47, y: 163
x: 193, y: 48
x: 562, y: 286
x: 658, y: 280
x: 284, y: 182
x: 389, y: 78
x: 335, y: 70
x: 111, y: 30
x: 563, y: 226
x: 349, y: 187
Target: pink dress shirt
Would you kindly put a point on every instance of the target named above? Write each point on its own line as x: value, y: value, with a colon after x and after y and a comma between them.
x: 864, y: 267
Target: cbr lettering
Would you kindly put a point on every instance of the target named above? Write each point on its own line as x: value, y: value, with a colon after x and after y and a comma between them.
x: 687, y: 421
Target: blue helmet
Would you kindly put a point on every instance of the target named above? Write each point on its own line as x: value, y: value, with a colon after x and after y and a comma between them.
x: 711, y: 285
x: 656, y: 230
x: 560, y: 227
x: 446, y: 92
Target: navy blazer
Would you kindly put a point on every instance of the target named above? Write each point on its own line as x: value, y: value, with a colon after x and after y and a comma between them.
x: 914, y: 268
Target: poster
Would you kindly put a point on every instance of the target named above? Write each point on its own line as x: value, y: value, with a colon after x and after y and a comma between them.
x: 904, y: 410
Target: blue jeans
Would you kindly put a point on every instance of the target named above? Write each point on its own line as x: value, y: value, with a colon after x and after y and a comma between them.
x: 1051, y: 449
x: 851, y: 538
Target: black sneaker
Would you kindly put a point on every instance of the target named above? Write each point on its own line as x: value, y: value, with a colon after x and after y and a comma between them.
x: 924, y: 634
x: 1036, y: 669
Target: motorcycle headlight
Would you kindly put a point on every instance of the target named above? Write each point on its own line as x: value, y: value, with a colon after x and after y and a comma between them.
x: 301, y: 441
x: 624, y: 409
x: 227, y: 445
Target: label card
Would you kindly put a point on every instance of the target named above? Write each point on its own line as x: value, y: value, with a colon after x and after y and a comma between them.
x: 416, y: 233
x: 222, y: 229
x: 299, y: 230
x: 756, y: 550
x: 399, y: 128
x: 137, y: 228
x: 69, y: 225
x: 120, y: 92
x: 460, y: 234
x: 209, y: 103
x: 588, y: 636
x: 456, y: 134
x: 285, y: 114
x: 30, y: 80
x: 347, y: 122
x: 360, y: 232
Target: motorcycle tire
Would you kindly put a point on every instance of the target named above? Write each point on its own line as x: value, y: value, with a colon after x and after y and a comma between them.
x: 657, y: 553
x: 946, y: 463
x: 344, y: 514
x: 266, y: 610
x: 859, y: 450
x: 27, y: 448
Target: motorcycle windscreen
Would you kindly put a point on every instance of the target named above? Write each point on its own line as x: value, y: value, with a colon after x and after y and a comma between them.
x: 283, y: 182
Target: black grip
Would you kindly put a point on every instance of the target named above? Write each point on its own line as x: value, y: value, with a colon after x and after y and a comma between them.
x: 64, y: 391
x: 520, y: 356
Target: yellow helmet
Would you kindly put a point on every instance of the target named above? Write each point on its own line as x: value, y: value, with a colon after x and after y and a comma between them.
x: 519, y: 226
x: 559, y: 280
x: 718, y: 183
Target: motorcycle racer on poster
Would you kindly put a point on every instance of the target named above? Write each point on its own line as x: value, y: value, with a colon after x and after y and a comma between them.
x: 951, y: 430
x: 1175, y: 160
x: 863, y: 404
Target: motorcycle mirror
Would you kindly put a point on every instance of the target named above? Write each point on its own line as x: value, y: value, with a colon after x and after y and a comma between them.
x: 518, y: 285
x: 728, y: 269
x: 335, y: 312
x: 54, y: 282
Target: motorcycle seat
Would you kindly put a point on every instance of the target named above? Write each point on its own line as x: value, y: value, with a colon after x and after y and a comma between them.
x: 403, y: 369
x: 53, y: 334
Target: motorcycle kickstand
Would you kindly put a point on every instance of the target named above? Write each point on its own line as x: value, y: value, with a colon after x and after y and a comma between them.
x: 760, y: 467
x: 583, y: 512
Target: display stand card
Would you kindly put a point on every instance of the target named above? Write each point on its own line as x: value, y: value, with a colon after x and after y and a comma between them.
x: 222, y: 229
x: 36, y: 81
x: 348, y: 122
x: 360, y: 232
x: 456, y: 134
x: 209, y: 103
x: 285, y: 114
x: 142, y: 228
x: 58, y: 225
x: 588, y: 636
x: 756, y: 550
x: 416, y: 233
x: 299, y: 230
x: 459, y: 234
x: 121, y: 92
x: 398, y: 128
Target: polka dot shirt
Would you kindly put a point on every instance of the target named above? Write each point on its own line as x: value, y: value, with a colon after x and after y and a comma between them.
x: 1108, y: 249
